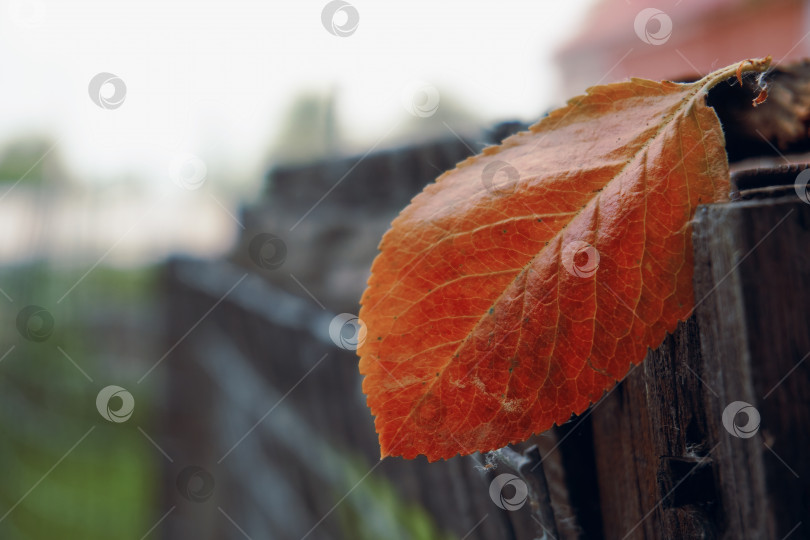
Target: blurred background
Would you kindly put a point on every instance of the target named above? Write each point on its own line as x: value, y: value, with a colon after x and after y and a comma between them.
x: 191, y: 195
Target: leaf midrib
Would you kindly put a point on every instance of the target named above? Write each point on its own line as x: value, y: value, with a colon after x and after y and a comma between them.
x: 700, y: 88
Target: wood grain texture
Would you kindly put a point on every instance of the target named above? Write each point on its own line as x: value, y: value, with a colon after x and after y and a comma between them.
x: 667, y: 467
x: 755, y: 329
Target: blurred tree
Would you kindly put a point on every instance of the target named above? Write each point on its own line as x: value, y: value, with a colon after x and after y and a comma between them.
x: 31, y: 159
x: 309, y: 131
x: 312, y: 130
x: 432, y: 113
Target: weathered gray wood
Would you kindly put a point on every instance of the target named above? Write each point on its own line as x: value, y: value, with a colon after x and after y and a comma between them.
x: 755, y: 334
x: 528, y: 466
x: 651, y: 460
x: 652, y: 448
x: 667, y: 466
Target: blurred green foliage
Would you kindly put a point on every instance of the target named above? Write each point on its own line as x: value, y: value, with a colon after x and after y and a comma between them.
x: 394, y: 519
x: 68, y: 472
x: 27, y: 159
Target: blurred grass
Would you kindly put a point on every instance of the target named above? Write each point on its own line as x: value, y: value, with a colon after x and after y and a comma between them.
x: 106, y: 486
x: 394, y: 518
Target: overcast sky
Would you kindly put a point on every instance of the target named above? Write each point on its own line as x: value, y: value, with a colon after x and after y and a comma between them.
x: 214, y: 78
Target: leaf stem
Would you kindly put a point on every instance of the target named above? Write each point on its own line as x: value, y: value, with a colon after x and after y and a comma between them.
x: 758, y: 65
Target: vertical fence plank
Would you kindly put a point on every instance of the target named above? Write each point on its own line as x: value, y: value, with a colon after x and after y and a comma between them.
x: 755, y: 329
x: 667, y: 465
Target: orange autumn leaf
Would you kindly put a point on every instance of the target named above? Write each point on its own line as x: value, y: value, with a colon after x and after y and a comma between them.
x: 520, y: 286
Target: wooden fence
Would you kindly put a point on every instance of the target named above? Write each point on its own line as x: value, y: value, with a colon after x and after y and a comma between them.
x: 706, y: 439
